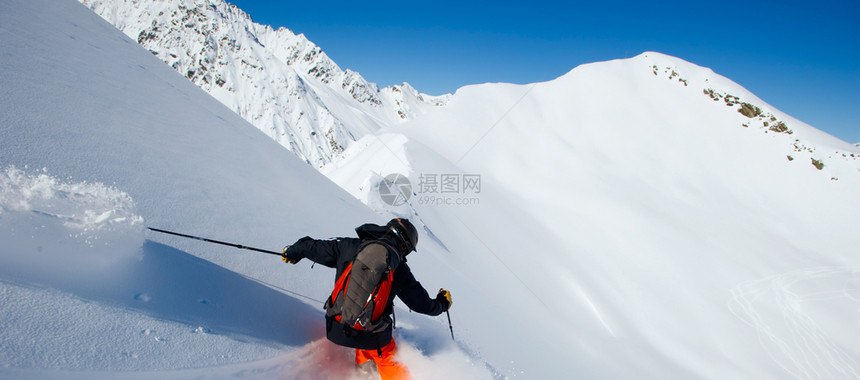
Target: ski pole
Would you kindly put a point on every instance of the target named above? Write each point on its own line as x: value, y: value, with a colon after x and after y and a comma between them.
x: 216, y: 241
x: 449, y: 325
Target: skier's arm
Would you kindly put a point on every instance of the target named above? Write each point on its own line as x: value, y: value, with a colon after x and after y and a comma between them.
x: 410, y: 291
x: 322, y: 252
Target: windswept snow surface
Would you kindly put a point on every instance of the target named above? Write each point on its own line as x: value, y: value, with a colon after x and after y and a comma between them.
x: 99, y: 136
x: 635, y: 225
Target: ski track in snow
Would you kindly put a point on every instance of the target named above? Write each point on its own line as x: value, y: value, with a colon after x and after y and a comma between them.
x: 782, y: 309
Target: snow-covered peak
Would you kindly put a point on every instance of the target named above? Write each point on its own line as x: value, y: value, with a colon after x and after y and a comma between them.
x: 281, y: 82
x: 359, y: 88
x: 409, y: 104
x: 214, y: 22
x: 683, y: 82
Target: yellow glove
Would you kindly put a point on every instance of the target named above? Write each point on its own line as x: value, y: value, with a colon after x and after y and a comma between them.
x: 444, y: 297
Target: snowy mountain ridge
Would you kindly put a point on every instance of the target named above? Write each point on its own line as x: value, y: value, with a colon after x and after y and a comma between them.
x: 289, y: 88
x: 281, y: 82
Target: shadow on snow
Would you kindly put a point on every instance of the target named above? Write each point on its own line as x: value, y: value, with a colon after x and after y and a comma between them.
x: 169, y: 284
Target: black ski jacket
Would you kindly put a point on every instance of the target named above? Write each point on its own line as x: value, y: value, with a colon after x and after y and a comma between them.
x: 339, y: 253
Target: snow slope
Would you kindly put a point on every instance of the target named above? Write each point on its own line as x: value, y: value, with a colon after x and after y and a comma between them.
x: 643, y: 225
x: 100, y: 138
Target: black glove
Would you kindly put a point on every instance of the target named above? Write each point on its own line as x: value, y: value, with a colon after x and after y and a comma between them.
x: 293, y: 253
x: 285, y: 256
x: 444, y: 297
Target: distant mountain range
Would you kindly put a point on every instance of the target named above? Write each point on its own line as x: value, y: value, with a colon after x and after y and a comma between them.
x: 279, y: 81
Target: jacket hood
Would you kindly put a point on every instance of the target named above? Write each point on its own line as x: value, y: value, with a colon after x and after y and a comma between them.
x: 372, y: 231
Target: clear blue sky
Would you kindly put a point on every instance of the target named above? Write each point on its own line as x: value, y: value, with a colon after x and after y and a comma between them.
x: 802, y: 57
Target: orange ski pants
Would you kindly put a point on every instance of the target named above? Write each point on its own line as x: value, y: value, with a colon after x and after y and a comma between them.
x: 386, y: 365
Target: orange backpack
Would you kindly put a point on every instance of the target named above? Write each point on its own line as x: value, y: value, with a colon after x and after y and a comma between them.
x: 361, y: 293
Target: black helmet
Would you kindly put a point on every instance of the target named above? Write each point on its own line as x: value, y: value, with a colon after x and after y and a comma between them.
x: 407, y: 233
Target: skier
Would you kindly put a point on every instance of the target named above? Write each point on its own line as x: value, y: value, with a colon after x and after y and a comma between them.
x: 377, y: 246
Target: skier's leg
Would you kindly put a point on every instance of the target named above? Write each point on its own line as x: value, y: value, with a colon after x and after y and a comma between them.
x: 361, y: 356
x: 363, y: 362
x: 387, y: 366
